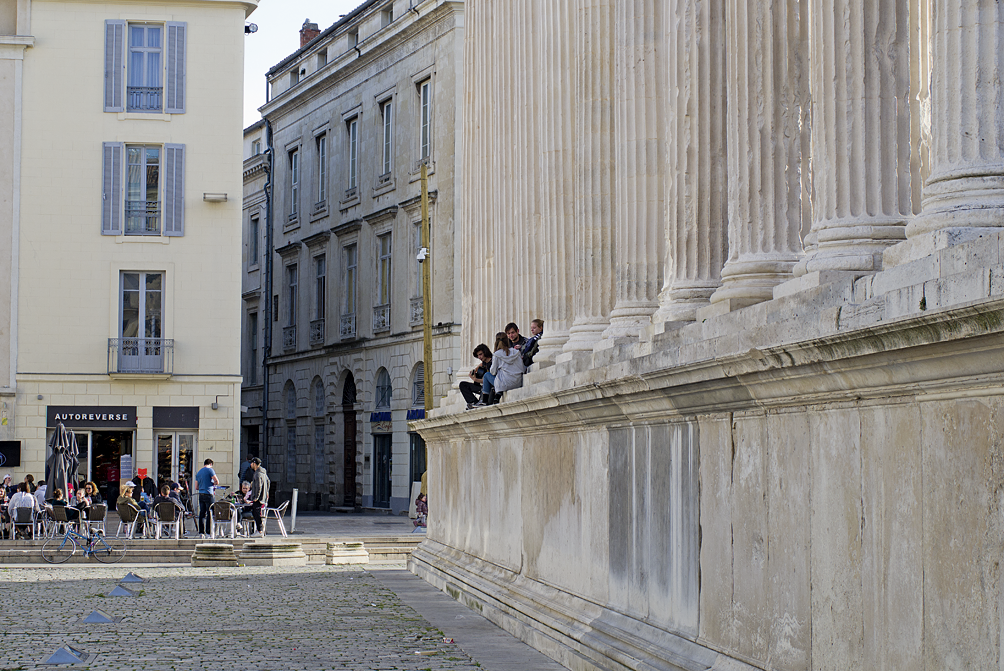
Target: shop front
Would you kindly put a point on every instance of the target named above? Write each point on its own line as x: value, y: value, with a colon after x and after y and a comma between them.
x: 106, y: 436
x: 176, y: 432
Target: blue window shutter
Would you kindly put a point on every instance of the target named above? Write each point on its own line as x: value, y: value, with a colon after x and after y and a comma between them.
x: 174, y: 189
x: 112, y: 155
x: 115, y: 32
x: 174, y: 101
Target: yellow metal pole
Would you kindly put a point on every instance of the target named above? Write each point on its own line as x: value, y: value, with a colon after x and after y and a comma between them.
x: 426, y: 288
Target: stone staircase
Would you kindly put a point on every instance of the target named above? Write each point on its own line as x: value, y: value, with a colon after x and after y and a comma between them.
x: 170, y: 551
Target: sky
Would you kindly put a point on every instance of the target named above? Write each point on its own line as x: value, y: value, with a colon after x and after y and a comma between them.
x: 278, y: 36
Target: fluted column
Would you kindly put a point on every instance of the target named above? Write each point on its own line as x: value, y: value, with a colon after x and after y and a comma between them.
x: 966, y: 184
x: 767, y: 141
x: 594, y: 175
x: 697, y: 204
x: 639, y: 67
x: 557, y: 120
x: 861, y: 133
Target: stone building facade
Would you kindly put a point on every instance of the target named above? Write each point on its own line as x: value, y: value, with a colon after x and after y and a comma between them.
x: 350, y: 119
x: 125, y: 233
x: 766, y: 242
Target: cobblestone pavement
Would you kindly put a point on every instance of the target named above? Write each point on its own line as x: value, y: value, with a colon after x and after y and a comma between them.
x: 253, y: 619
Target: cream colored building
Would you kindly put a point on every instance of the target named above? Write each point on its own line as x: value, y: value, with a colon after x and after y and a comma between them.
x: 129, y: 235
x: 766, y: 239
x: 353, y: 115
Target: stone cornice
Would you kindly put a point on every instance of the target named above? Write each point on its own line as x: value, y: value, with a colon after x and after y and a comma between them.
x: 348, y: 227
x: 380, y: 216
x: 289, y: 250
x: 317, y: 239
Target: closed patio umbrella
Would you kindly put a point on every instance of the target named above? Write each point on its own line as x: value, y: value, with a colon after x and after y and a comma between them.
x: 63, y: 461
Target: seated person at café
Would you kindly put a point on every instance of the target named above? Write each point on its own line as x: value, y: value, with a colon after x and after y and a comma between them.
x: 81, y: 501
x: 22, y: 499
x: 126, y: 500
x: 165, y: 497
x: 58, y: 499
x: 91, y: 490
x: 243, y: 502
x: 176, y: 497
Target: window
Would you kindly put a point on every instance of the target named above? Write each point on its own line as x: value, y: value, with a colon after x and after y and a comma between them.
x: 141, y: 327
x: 275, y: 308
x: 349, y: 306
x: 256, y: 147
x: 145, y: 67
x: 322, y: 58
x: 425, y: 96
x: 418, y: 386
x: 254, y: 232
x: 383, y: 270
x: 387, y: 17
x: 387, y: 115
x: 291, y: 454
x: 353, y: 152
x: 294, y: 182
x: 320, y: 268
x: 253, y: 348
x: 142, y: 206
x: 319, y: 400
x: 320, y: 457
x: 322, y: 165
x: 294, y: 78
x: 145, y: 185
x: 291, y: 283
x: 383, y: 389
x: 290, y: 400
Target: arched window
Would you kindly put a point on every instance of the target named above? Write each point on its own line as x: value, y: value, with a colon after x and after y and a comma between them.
x: 384, y: 390
x: 319, y: 400
x: 290, y: 400
x: 418, y: 386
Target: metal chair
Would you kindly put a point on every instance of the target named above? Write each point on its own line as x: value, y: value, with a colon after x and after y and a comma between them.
x: 128, y: 517
x: 61, y: 520
x: 96, y: 518
x: 167, y: 515
x: 277, y: 513
x: 222, y: 515
x: 24, y: 518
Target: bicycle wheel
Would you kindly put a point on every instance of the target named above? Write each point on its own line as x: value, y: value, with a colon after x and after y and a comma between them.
x: 108, y: 550
x: 58, y: 550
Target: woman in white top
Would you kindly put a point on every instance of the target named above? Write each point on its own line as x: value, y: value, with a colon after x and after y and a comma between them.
x: 507, y: 368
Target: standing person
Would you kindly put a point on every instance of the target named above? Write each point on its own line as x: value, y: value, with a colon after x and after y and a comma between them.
x: 207, y: 481
x: 506, y: 372
x: 259, y: 493
x: 144, y: 485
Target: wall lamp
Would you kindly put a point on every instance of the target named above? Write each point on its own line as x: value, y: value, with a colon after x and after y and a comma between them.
x: 214, y: 197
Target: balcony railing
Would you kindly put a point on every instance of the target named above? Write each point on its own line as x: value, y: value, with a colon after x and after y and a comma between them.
x: 142, y: 217
x: 144, y: 98
x: 289, y: 337
x: 417, y: 311
x: 317, y: 332
x: 347, y: 327
x: 381, y: 318
x: 149, y: 356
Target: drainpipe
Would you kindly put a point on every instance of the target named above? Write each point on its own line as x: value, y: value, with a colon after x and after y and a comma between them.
x: 269, y: 244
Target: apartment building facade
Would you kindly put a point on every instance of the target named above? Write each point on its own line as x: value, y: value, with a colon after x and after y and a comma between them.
x: 129, y: 236
x: 352, y: 117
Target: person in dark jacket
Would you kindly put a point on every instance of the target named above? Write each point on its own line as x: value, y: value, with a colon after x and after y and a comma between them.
x: 472, y: 390
x: 259, y: 493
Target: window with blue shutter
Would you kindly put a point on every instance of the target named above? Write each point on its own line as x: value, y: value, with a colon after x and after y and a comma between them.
x: 174, y: 189
x: 111, y: 188
x: 114, y: 65
x: 177, y: 34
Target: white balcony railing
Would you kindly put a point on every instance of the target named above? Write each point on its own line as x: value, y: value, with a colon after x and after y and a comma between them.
x: 141, y: 355
x: 381, y: 318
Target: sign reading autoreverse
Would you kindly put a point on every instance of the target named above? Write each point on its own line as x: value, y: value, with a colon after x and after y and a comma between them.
x: 91, y: 417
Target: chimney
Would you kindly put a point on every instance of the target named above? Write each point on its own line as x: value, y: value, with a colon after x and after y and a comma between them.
x: 308, y: 32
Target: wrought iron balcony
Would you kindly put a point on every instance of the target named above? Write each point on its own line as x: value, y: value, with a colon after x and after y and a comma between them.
x: 381, y: 318
x: 142, y: 217
x: 317, y: 332
x: 149, y: 356
x: 417, y: 311
x: 347, y: 327
x: 289, y: 337
x: 144, y: 98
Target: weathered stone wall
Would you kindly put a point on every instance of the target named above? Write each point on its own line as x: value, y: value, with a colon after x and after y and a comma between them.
x: 811, y: 482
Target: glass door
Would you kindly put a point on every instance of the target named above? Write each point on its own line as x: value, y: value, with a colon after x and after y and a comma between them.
x: 175, y: 456
x: 141, y: 344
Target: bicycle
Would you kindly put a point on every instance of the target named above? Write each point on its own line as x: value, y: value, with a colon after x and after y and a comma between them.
x: 105, y: 550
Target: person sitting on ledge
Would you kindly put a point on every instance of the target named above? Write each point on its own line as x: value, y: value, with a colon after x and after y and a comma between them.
x: 532, y: 344
x: 515, y: 339
x: 472, y: 391
x: 506, y: 371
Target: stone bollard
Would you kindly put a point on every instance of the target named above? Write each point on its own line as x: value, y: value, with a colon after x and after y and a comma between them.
x: 268, y: 553
x: 214, y: 554
x: 346, y: 553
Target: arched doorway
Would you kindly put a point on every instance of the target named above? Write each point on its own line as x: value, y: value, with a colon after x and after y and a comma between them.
x: 349, y: 415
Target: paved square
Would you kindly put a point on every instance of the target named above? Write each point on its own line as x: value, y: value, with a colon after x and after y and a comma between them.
x: 255, y: 619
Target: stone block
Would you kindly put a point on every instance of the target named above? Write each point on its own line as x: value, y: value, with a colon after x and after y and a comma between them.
x: 962, y: 288
x: 214, y: 554
x: 853, y: 317
x: 273, y: 553
x: 346, y: 553
x: 907, y: 275
x: 812, y: 280
x: 929, y: 243
x: 980, y: 253
x: 906, y: 301
x: 717, y: 619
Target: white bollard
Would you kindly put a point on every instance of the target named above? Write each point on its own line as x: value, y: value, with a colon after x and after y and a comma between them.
x: 292, y: 505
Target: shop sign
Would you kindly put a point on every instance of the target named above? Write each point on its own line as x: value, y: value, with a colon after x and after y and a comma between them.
x: 91, y: 417
x: 10, y: 453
